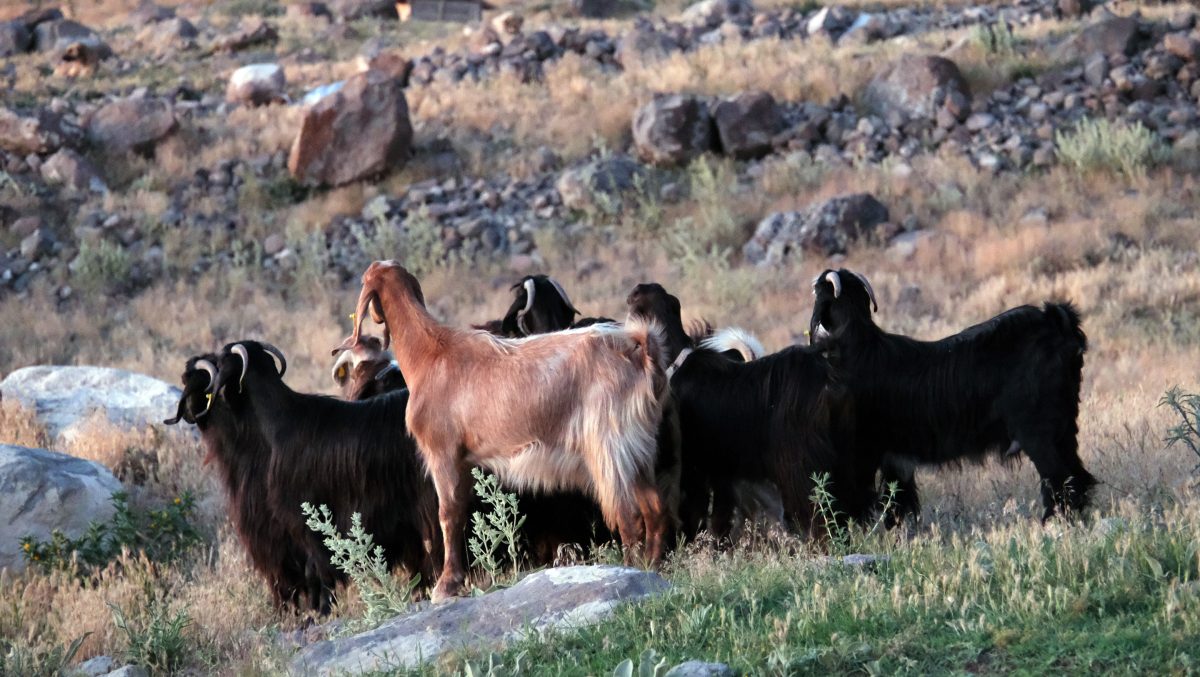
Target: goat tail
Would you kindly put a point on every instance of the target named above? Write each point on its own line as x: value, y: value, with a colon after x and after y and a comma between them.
x: 735, y: 338
x: 1066, y: 319
x: 648, y: 336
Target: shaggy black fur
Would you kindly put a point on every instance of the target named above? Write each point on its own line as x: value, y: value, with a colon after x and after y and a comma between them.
x: 550, y: 312
x: 779, y: 419
x: 1010, y: 383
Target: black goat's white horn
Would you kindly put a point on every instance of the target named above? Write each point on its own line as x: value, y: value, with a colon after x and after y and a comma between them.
x: 870, y: 292
x: 211, y: 370
x: 563, y: 293
x: 278, y: 355
x: 834, y: 279
x: 529, y: 287
x: 240, y: 351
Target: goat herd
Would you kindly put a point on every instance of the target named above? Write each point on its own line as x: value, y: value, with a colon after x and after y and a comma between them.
x: 642, y: 428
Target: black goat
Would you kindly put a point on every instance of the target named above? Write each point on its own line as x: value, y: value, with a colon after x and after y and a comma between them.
x: 779, y: 419
x: 243, y: 459
x: 1007, y: 385
x: 540, y: 306
x: 344, y: 455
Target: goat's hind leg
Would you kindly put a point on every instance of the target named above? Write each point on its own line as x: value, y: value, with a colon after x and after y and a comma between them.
x: 452, y: 483
x: 655, y: 519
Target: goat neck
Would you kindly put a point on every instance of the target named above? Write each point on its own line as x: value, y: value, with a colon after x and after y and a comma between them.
x: 393, y: 298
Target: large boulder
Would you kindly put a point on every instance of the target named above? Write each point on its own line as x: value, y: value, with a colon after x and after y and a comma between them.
x: 40, y: 131
x: 168, y: 36
x: 65, y: 399
x: 136, y: 124
x: 57, y: 36
x: 549, y: 600
x: 360, y: 130
x: 747, y: 123
x: 43, y: 491
x: 915, y: 86
x: 15, y: 38
x: 601, y: 183
x: 256, y: 85
x: 713, y: 12
x: 672, y: 129
x: 1110, y: 36
x: 72, y: 170
x: 825, y: 229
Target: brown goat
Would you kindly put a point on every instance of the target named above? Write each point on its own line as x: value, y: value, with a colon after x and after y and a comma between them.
x: 574, y: 409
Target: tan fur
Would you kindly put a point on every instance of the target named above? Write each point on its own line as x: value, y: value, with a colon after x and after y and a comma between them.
x: 573, y: 409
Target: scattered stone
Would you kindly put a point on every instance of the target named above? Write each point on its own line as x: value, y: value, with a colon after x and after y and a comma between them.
x: 701, y: 669
x: 1183, y: 46
x: 309, y: 10
x: 257, y: 85
x: 74, y: 171
x: 590, y: 9
x: 825, y: 229
x: 129, y: 671
x: 714, y: 12
x: 42, y: 491
x: 912, y: 85
x: 747, y: 123
x: 65, y: 398
x: 641, y: 45
x: 353, y: 10
x: 549, y: 600
x: 274, y: 243
x: 166, y: 37
x: 58, y: 35
x: 39, y: 132
x: 37, y: 244
x: 1111, y: 36
x: 672, y: 129
x: 251, y: 33
x: 361, y: 130
x: 24, y: 226
x: 1095, y: 69
x: 600, y: 184
x: 15, y: 38
x: 131, y: 124
x: 94, y: 667
x: 507, y: 23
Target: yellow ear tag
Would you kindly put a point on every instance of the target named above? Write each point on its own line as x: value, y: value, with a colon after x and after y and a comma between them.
x: 352, y: 317
x: 208, y: 400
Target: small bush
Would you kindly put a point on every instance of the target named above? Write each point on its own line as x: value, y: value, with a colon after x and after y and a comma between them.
x: 498, y: 527
x: 1187, y: 407
x: 996, y: 38
x: 155, y: 640
x: 1103, y: 146
x: 160, y: 535
x: 101, y: 267
x: 17, y: 659
x: 358, y: 557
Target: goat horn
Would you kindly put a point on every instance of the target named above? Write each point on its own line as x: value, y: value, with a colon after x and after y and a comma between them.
x: 278, y: 354
x: 834, y: 279
x: 529, y: 287
x: 563, y: 293
x: 211, y: 370
x: 870, y: 292
x: 240, y: 351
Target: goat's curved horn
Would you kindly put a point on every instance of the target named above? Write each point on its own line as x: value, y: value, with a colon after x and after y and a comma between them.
x: 563, y: 293
x: 870, y: 292
x: 834, y: 279
x: 278, y: 355
x: 240, y: 351
x: 529, y: 287
x: 211, y: 370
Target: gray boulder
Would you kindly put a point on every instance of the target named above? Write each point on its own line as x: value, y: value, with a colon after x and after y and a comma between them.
x: 824, y: 229
x: 700, y: 669
x: 41, y: 491
x: 713, y: 12
x: 136, y: 124
x: 360, y: 130
x: 549, y: 600
x: 1111, y: 36
x: 642, y: 45
x: 256, y: 85
x: 600, y: 184
x: 915, y: 86
x: 747, y: 123
x: 65, y: 398
x: 39, y: 131
x: 672, y: 129
x: 72, y: 170
x: 57, y: 36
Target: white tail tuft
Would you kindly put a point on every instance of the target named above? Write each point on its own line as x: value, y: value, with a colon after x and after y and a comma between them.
x: 735, y: 338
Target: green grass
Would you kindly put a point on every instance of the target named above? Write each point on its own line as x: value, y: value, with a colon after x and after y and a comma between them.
x: 1118, y: 597
x: 1118, y: 148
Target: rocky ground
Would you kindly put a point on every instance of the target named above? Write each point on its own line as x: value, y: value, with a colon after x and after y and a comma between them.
x: 100, y: 179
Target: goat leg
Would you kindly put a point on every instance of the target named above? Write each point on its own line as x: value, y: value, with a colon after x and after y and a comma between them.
x: 452, y: 483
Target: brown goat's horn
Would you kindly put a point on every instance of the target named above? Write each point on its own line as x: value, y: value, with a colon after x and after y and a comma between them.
x: 240, y: 351
x: 529, y: 287
x: 563, y: 293
x: 278, y: 354
x: 870, y: 292
x: 834, y: 279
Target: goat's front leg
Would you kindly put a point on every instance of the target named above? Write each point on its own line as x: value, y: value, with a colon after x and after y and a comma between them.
x: 452, y: 483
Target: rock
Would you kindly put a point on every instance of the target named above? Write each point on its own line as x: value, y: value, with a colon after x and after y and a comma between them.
x: 41, y: 491
x: 747, y: 123
x: 58, y: 35
x: 825, y: 229
x: 256, y: 85
x: 37, y: 244
x: 150, y: 13
x: 1071, y: 9
x: 317, y: 93
x: 701, y: 669
x: 388, y: 62
x: 550, y: 600
x: 1095, y: 69
x: 131, y: 124
x: 980, y: 121
x: 309, y: 10
x: 590, y: 9
x: 273, y: 244
x: 911, y: 85
x: 167, y: 36
x: 600, y: 184
x: 1111, y: 36
x: 352, y: 10
x: 672, y: 129
x: 24, y: 226
x: 713, y: 12
x: 642, y: 45
x: 129, y: 671
x: 94, y: 667
x: 867, y: 28
x: 74, y: 171
x: 15, y: 38
x: 361, y: 130
x: 64, y: 398
x: 507, y: 23
x: 251, y: 33
x: 1183, y: 46
x: 39, y: 132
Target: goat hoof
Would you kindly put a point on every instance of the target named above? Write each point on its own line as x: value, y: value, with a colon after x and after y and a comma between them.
x: 446, y: 593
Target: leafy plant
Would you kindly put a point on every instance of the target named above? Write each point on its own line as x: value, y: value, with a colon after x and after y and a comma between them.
x: 156, y: 641
x: 101, y: 266
x: 996, y: 38
x: 650, y: 664
x: 497, y: 528
x: 160, y: 535
x: 1187, y: 407
x: 357, y: 556
x: 845, y: 537
x: 17, y: 659
x: 1100, y: 145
